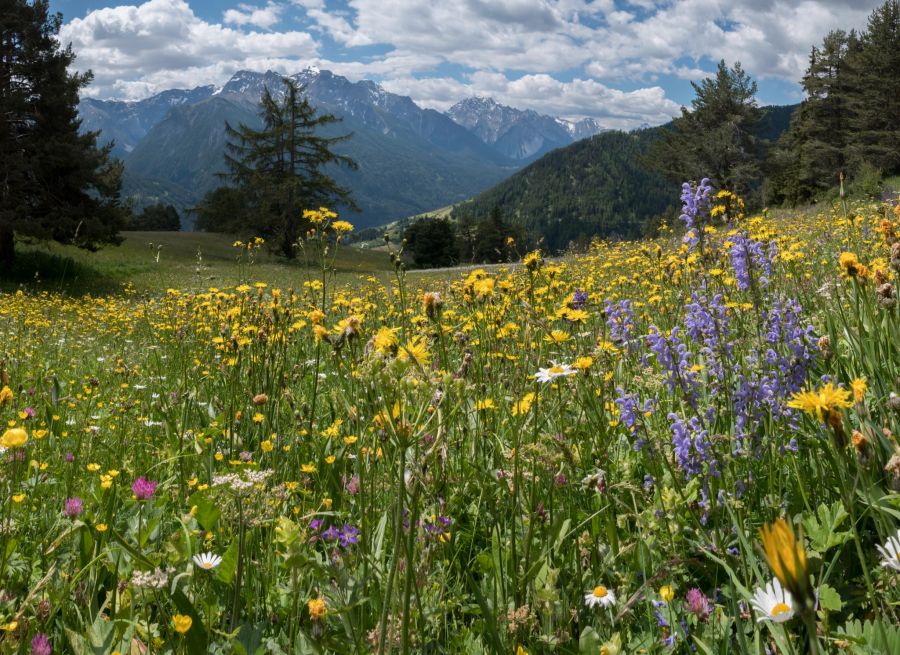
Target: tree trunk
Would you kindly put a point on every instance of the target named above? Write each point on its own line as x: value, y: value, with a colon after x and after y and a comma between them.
x: 7, y: 249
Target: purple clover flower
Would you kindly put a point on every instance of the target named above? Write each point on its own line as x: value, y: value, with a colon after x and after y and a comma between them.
x: 698, y: 604
x: 40, y: 645
x: 73, y: 507
x: 143, y: 489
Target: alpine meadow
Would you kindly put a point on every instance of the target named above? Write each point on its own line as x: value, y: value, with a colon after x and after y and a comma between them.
x: 610, y: 367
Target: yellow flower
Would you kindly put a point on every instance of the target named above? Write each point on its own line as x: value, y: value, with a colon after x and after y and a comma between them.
x: 850, y: 266
x: 667, y: 593
x: 18, y: 498
x: 14, y: 438
x: 341, y: 226
x: 556, y: 336
x: 308, y: 468
x: 786, y: 557
x: 520, y: 650
x: 92, y: 467
x: 385, y: 340
x: 267, y: 446
x: 524, y: 404
x: 258, y: 418
x: 6, y: 395
x: 182, y: 623
x: 416, y: 351
x: 583, y: 363
x: 101, y: 527
x: 859, y: 387
x: 487, y: 403
x: 822, y: 402
x: 317, y: 608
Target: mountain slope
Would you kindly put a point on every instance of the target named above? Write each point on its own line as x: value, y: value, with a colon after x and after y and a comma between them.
x: 597, y: 186
x: 410, y: 159
x: 517, y: 134
x: 127, y: 123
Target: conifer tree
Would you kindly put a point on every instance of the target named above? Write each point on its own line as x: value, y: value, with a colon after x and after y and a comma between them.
x: 875, y: 87
x: 54, y: 182
x: 716, y: 137
x: 282, y: 166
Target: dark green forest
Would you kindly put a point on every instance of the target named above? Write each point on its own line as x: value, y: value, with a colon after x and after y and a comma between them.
x: 604, y: 186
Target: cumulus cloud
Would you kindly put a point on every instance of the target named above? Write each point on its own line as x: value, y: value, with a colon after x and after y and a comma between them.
x: 264, y: 17
x: 136, y: 50
x: 565, y: 57
x: 578, y: 98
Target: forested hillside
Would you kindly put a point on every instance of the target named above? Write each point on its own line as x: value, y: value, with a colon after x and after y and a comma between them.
x: 605, y: 186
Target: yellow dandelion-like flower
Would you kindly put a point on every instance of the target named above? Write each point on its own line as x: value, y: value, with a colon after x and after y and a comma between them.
x: 786, y: 557
x: 820, y: 403
x: 556, y: 337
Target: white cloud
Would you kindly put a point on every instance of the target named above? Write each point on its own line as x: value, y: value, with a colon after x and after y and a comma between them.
x: 564, y: 57
x: 137, y: 50
x: 545, y: 94
x: 264, y: 17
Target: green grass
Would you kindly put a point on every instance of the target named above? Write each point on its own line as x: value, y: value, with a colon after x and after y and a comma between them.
x: 154, y: 261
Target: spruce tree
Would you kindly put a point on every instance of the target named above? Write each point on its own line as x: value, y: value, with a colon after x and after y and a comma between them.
x: 716, y: 137
x: 876, y: 85
x: 54, y: 182
x: 282, y: 166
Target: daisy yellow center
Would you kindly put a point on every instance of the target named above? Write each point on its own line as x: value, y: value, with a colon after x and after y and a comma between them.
x: 600, y: 591
x: 206, y: 565
x: 781, y: 608
x: 557, y: 369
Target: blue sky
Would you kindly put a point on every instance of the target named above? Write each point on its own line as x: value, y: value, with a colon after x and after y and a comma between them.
x: 623, y: 62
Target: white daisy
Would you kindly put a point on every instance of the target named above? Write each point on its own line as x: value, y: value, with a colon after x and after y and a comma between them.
x: 207, y: 561
x: 773, y: 603
x: 600, y: 595
x: 555, y: 371
x: 890, y: 552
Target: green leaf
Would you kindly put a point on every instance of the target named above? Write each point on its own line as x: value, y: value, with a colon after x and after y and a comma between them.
x: 196, y: 638
x: 589, y: 642
x: 228, y: 567
x: 207, y: 513
x: 829, y: 599
x: 822, y: 528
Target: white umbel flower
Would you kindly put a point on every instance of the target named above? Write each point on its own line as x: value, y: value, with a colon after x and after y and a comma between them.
x: 555, y: 371
x: 600, y: 595
x: 890, y: 552
x: 207, y: 561
x: 773, y: 603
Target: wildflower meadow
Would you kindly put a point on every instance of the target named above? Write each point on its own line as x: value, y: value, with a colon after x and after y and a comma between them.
x: 679, y: 445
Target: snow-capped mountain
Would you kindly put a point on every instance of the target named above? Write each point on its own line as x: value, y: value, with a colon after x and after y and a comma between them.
x: 522, y: 135
x: 127, y: 123
x: 411, y: 159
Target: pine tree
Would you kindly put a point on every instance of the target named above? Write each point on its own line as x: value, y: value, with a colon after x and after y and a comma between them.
x: 876, y: 101
x: 54, y: 182
x: 431, y: 242
x: 716, y: 137
x: 282, y: 166
x: 811, y: 156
